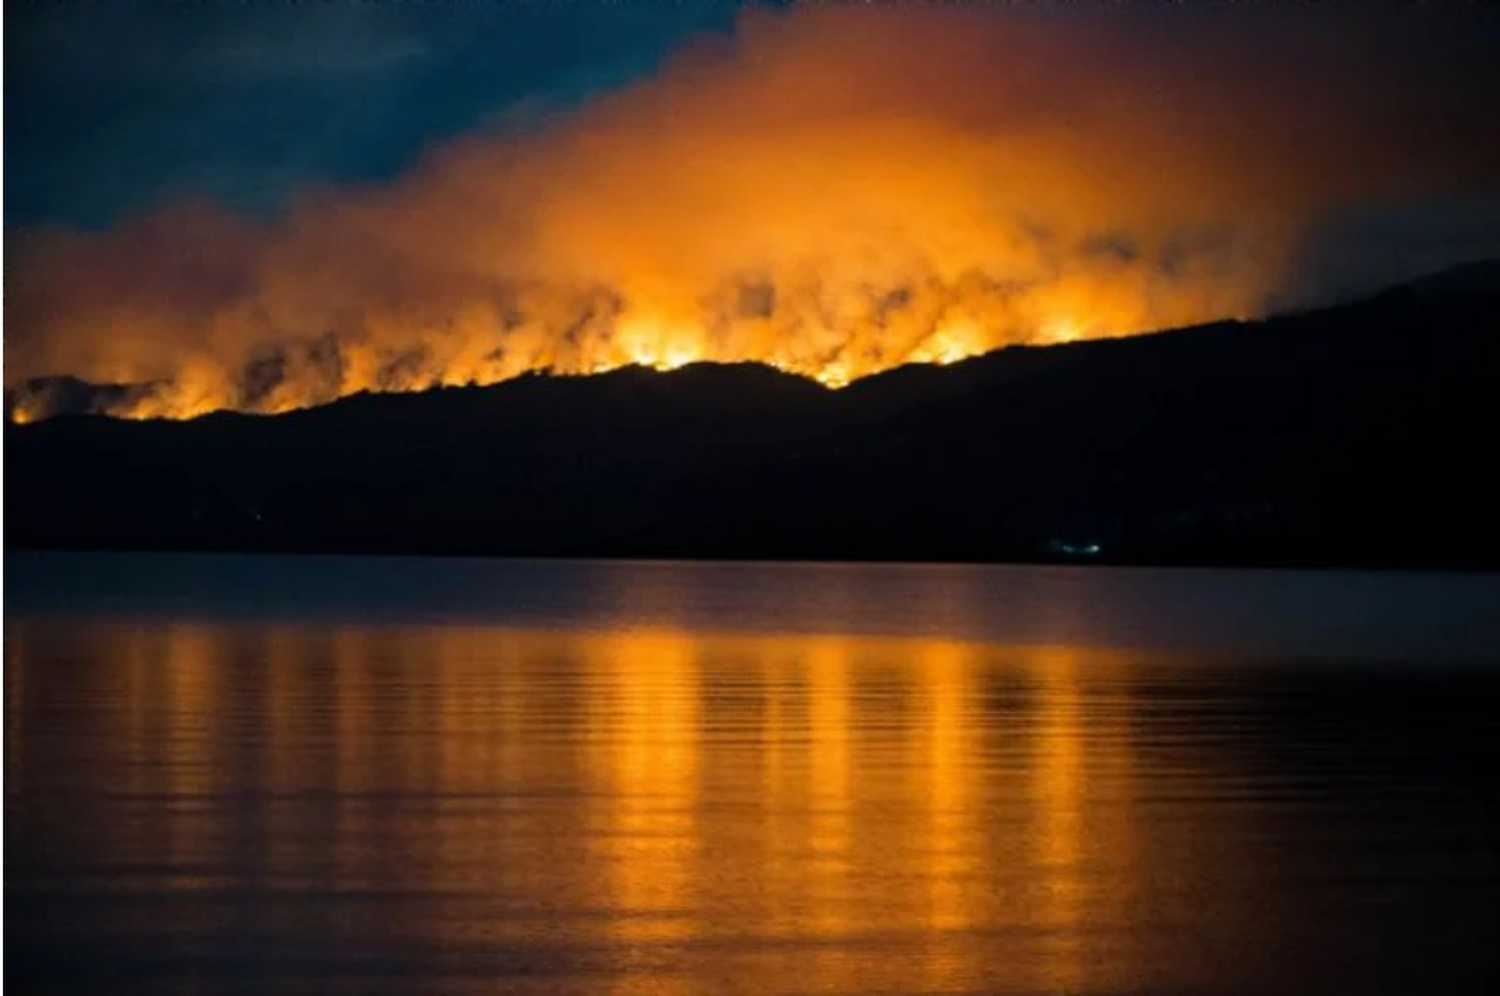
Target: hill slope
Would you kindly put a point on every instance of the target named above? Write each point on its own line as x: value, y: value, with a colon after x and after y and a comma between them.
x: 1359, y: 434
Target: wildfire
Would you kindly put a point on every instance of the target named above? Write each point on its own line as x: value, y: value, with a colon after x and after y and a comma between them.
x: 835, y: 375
x: 834, y: 194
x: 952, y: 342
x: 674, y: 358
x: 652, y: 343
x: 1062, y: 329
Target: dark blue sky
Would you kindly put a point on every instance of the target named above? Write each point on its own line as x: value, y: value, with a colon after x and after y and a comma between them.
x: 114, y: 107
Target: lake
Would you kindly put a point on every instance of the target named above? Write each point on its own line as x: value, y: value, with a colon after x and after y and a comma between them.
x: 355, y: 775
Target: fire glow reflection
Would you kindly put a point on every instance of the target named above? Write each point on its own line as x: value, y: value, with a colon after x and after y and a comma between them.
x: 747, y: 794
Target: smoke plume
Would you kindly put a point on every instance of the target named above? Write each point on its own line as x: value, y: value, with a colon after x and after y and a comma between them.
x: 831, y: 190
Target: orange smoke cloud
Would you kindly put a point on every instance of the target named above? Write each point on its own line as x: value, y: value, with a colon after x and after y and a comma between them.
x: 832, y: 191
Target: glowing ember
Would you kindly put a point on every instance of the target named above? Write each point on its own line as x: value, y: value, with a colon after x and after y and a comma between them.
x: 1062, y: 330
x: 834, y: 375
x: 953, y: 341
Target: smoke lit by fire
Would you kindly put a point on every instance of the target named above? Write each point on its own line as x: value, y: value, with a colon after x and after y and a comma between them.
x: 831, y: 191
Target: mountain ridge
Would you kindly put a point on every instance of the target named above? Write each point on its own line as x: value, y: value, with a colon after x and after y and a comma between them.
x: 65, y: 395
x: 1350, y: 435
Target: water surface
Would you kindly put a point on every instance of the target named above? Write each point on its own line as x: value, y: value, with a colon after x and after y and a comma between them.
x: 231, y: 774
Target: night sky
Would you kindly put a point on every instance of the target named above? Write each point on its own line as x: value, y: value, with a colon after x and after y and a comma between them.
x: 112, y: 108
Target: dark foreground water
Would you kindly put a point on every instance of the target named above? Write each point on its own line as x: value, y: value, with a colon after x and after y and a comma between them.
x: 355, y: 776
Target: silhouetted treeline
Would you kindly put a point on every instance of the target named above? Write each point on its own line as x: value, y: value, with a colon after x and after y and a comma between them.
x: 1357, y: 435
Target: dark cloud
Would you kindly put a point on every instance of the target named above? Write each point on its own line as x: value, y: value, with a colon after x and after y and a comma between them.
x: 112, y: 108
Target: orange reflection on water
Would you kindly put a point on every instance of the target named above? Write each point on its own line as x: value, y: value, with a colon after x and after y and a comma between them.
x: 1059, y: 793
x: 642, y: 745
x: 828, y: 840
x: 817, y: 872
x: 950, y: 766
x: 858, y: 812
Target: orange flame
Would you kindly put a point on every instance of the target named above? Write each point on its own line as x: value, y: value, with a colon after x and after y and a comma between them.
x: 834, y: 192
